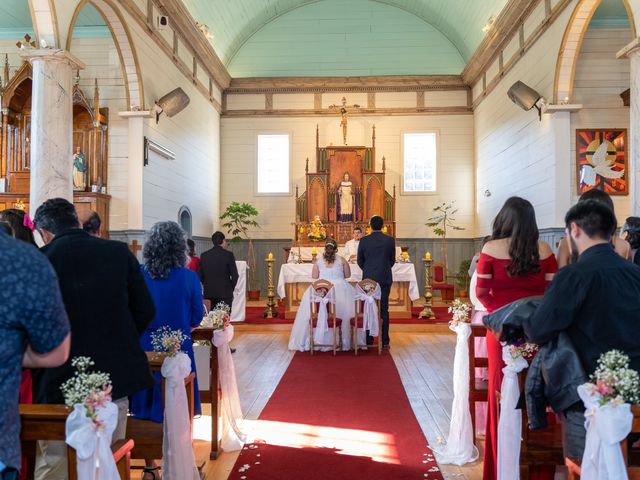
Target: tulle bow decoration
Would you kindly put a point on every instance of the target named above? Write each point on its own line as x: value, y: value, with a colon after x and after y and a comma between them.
x: 177, y: 450
x: 323, y: 314
x: 370, y: 312
x: 459, y: 448
x: 92, y: 441
x: 510, y: 423
x: 233, y: 438
x: 607, y: 425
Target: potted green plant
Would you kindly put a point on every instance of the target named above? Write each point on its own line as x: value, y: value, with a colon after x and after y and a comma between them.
x: 238, y: 218
x: 462, y: 278
x: 441, y: 222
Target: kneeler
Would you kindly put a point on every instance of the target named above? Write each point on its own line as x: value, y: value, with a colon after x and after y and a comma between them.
x: 47, y: 422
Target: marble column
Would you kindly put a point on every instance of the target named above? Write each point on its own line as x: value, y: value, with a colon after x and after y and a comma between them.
x: 632, y: 52
x: 51, y: 124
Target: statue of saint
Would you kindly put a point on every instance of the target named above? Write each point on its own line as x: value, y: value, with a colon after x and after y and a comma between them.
x: 344, y: 115
x: 79, y: 171
x: 345, y: 199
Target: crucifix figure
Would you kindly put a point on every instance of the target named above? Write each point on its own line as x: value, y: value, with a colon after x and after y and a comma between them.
x: 344, y: 112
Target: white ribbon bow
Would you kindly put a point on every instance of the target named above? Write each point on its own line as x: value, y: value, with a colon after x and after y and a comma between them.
x: 94, y: 458
x: 370, y: 311
x: 232, y: 436
x: 607, y: 425
x: 322, y: 326
x: 459, y: 448
x: 178, y: 461
x: 510, y: 423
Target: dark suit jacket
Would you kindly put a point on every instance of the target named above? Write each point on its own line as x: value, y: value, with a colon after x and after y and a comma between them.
x: 218, y: 273
x: 109, y: 307
x: 376, y: 256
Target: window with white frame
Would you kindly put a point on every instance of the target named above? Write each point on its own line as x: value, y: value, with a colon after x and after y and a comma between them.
x: 273, y: 163
x: 419, y: 150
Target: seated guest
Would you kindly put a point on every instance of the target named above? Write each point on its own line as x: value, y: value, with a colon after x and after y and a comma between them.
x: 194, y: 260
x: 621, y: 247
x: 630, y: 233
x: 91, y: 222
x: 595, y: 300
x: 34, y: 333
x: 177, y: 295
x: 109, y: 307
x: 351, y: 247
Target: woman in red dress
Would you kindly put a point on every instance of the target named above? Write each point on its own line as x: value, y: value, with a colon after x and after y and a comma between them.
x: 513, y: 265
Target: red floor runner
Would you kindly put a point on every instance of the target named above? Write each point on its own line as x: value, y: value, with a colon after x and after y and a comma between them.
x: 254, y: 316
x: 342, y: 417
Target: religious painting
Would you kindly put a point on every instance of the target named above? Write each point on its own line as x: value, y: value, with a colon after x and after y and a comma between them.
x: 601, y: 160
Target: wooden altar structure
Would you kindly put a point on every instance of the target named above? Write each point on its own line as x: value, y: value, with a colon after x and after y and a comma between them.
x: 90, y: 134
x: 321, y: 197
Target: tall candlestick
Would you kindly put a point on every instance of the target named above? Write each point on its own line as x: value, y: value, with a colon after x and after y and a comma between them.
x: 270, y: 311
x: 428, y: 294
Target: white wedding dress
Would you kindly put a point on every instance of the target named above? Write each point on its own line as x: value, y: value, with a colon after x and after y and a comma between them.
x: 345, y: 309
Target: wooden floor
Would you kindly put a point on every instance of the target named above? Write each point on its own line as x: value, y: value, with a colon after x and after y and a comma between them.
x: 424, y: 361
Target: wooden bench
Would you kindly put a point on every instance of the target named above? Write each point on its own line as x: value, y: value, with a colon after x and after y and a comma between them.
x: 478, y: 388
x: 47, y: 422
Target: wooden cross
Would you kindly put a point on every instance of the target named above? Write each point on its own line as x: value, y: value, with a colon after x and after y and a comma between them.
x: 344, y: 113
x: 135, y: 247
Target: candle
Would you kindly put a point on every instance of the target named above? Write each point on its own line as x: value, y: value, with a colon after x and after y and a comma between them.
x: 314, y: 251
x: 270, y: 256
x: 384, y: 229
x: 427, y: 256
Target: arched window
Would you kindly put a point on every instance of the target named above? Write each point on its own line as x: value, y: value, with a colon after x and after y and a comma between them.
x: 184, y: 219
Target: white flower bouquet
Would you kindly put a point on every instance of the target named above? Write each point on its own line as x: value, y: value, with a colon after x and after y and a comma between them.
x: 460, y: 311
x: 91, y: 389
x: 218, y: 318
x: 167, y: 340
x: 613, y: 382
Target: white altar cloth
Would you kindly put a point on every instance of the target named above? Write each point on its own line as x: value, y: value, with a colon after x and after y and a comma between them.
x: 238, y: 310
x: 301, y: 273
x: 305, y: 252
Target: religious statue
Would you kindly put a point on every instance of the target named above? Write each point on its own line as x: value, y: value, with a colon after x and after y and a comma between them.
x: 344, y: 112
x: 345, y: 199
x: 79, y: 170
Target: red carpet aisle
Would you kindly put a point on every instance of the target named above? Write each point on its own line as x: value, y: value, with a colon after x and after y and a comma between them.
x: 254, y: 317
x: 342, y: 417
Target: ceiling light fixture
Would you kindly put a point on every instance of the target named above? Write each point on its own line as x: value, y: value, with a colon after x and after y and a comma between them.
x: 489, y: 24
x: 205, y: 30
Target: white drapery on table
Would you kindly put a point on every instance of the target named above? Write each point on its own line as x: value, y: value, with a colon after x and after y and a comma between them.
x: 305, y: 252
x: 459, y: 448
x: 178, y: 461
x: 94, y: 458
x: 370, y: 313
x: 239, y: 307
x: 510, y: 423
x: 322, y: 327
x: 606, y: 427
x: 301, y: 273
x: 232, y: 436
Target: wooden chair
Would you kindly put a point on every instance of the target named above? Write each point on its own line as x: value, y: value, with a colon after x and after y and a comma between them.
x: 439, y: 282
x: 147, y: 434
x: 321, y: 288
x: 478, y: 388
x: 358, y: 322
x: 47, y: 422
x: 633, y: 471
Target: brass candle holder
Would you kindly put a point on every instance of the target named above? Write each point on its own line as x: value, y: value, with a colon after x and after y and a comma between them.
x: 428, y: 294
x: 270, y: 311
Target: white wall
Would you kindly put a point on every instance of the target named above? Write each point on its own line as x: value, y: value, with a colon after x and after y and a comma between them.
x: 455, y: 171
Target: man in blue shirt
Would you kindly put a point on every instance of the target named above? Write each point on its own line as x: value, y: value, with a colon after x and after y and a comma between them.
x: 34, y: 333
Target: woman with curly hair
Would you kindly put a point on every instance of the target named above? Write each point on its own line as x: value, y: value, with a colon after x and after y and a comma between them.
x: 177, y: 295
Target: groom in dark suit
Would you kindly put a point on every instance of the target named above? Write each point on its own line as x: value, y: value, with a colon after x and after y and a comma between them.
x: 376, y: 256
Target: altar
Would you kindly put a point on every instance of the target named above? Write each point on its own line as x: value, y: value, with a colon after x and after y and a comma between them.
x: 239, y: 307
x: 294, y: 279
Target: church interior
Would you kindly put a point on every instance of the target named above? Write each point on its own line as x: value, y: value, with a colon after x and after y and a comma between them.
x: 288, y: 123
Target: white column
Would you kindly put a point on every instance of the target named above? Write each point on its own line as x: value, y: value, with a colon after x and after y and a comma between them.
x: 632, y: 51
x: 51, y: 124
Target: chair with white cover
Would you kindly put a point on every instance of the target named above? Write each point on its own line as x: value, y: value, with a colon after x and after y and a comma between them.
x: 367, y: 317
x: 323, y: 316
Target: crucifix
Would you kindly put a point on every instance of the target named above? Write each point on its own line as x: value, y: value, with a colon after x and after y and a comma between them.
x: 344, y: 112
x: 135, y: 247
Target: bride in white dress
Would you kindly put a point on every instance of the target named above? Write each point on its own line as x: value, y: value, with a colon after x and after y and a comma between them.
x: 335, y: 269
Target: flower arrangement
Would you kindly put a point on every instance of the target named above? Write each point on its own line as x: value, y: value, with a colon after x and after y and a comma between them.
x: 613, y: 381
x: 523, y: 349
x: 317, y: 231
x: 404, y: 257
x: 166, y: 340
x: 460, y: 311
x: 91, y: 389
x: 218, y: 318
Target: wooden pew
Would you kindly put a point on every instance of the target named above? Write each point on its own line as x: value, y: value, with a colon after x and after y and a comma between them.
x: 478, y: 388
x: 47, y: 422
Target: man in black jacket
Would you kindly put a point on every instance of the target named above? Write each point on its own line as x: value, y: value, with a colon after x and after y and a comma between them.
x: 109, y: 307
x: 376, y: 257
x: 218, y: 272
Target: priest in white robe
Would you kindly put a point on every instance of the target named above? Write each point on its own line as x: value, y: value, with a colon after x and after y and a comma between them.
x: 350, y: 251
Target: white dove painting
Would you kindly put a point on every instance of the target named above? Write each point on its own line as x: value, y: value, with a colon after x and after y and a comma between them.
x: 599, y: 162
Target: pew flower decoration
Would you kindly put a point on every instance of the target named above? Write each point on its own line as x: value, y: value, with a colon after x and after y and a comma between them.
x: 613, y: 382
x: 90, y: 389
x: 218, y: 318
x: 166, y: 340
x: 522, y: 349
x: 460, y: 311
